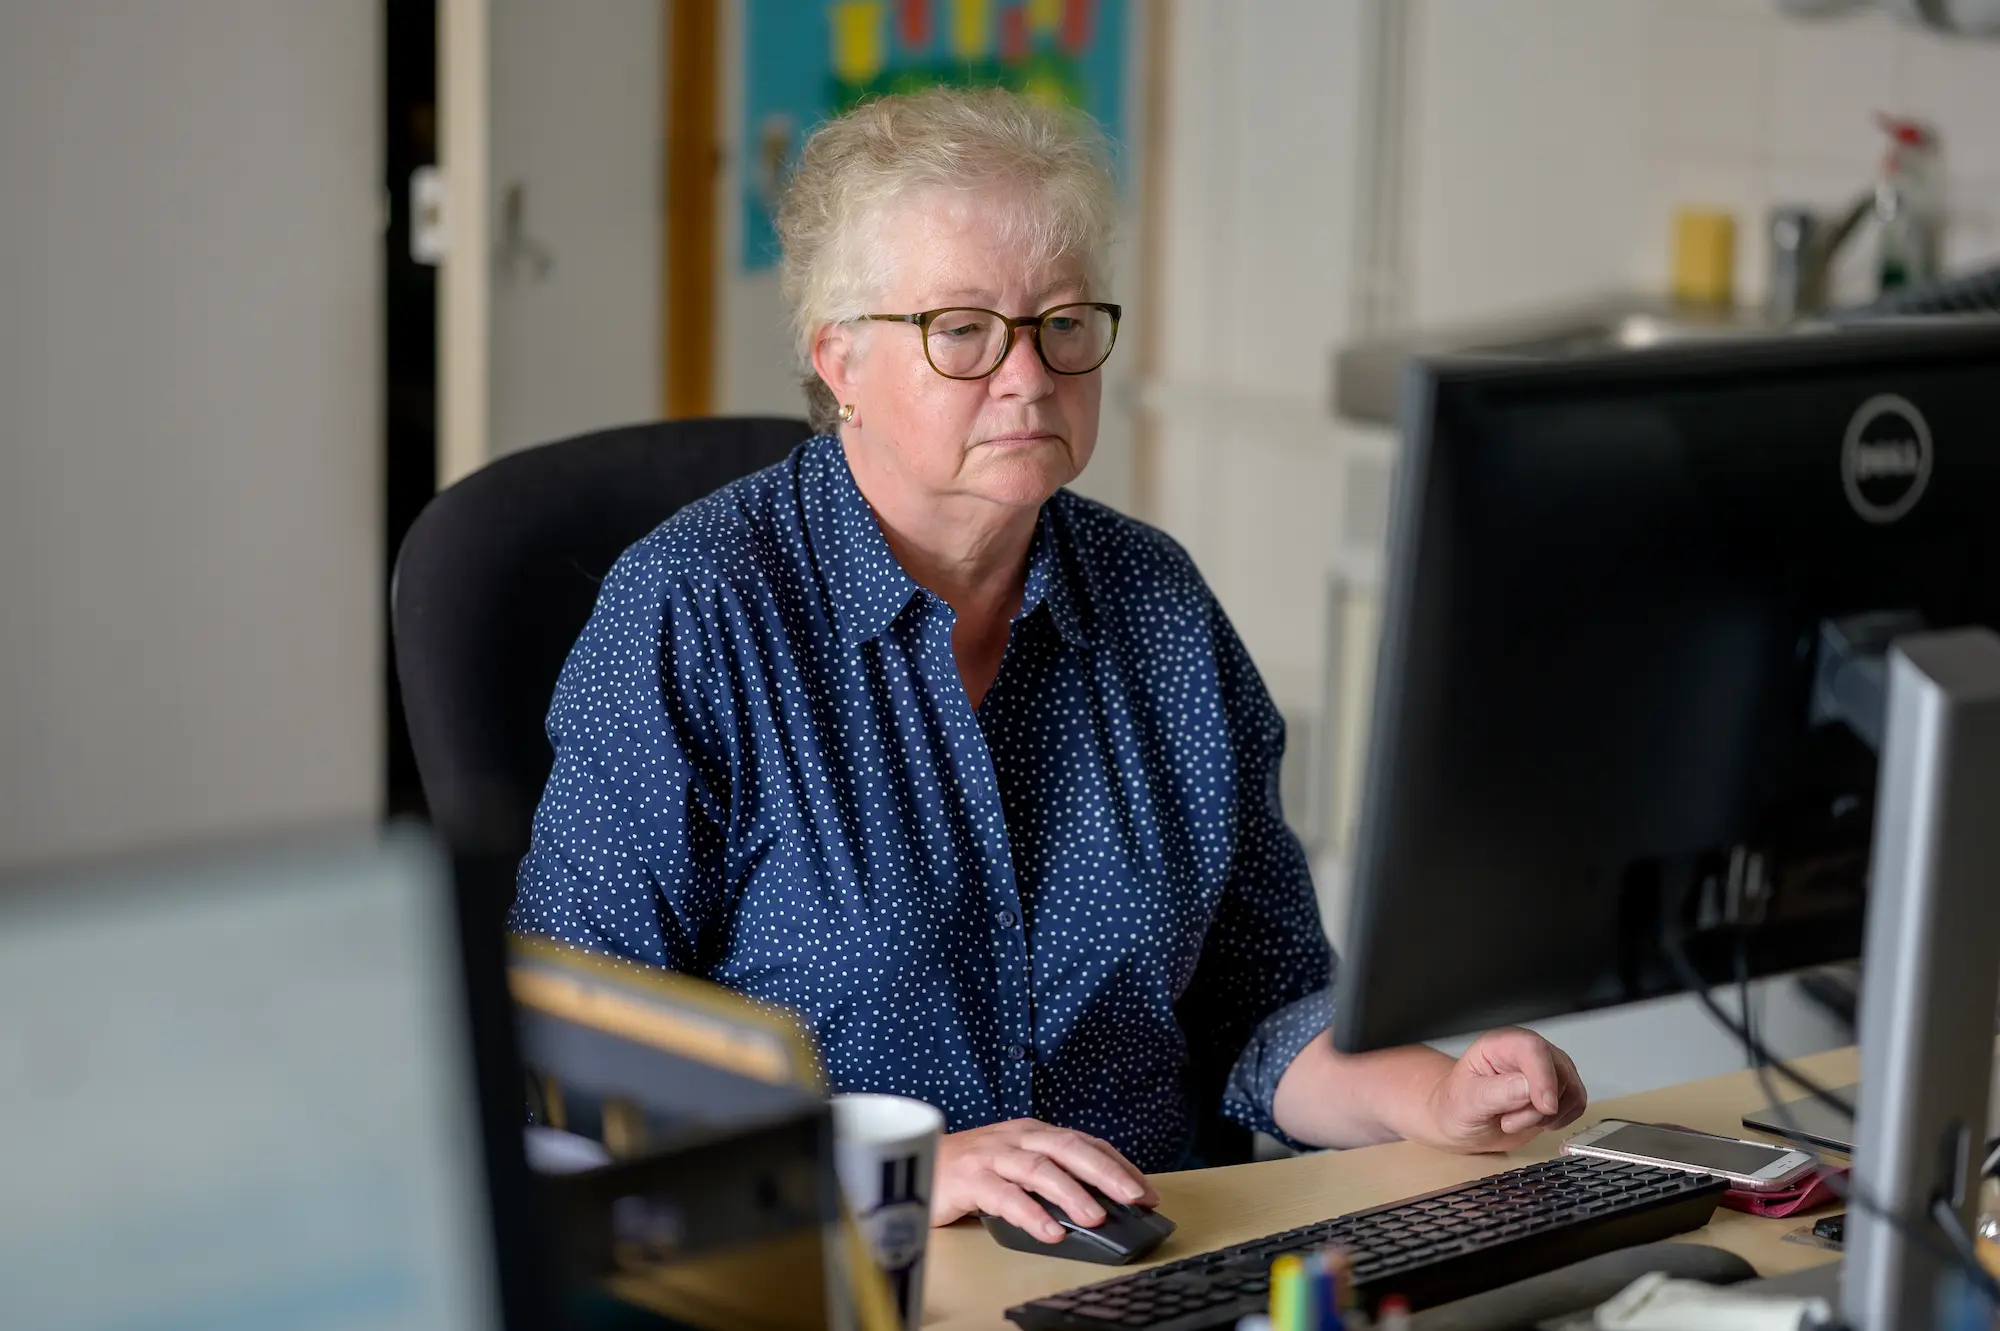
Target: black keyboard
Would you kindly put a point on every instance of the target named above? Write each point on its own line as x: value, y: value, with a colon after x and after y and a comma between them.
x: 1432, y: 1249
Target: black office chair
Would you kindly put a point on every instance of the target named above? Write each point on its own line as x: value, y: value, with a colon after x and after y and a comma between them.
x: 495, y: 581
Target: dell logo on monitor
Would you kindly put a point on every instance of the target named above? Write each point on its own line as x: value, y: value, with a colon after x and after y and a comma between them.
x: 1886, y: 461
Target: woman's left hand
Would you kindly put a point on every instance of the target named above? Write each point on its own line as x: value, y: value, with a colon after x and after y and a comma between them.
x: 1509, y: 1087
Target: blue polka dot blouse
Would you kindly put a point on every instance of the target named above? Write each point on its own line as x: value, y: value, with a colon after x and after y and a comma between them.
x: 1079, y: 903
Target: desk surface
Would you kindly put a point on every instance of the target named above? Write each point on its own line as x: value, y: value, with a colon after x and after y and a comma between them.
x: 973, y: 1280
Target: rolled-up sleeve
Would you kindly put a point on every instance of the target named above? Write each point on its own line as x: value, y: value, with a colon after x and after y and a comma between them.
x: 626, y: 853
x: 1262, y: 990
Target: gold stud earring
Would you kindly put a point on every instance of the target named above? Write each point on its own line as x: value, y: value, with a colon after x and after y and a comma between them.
x: 846, y: 412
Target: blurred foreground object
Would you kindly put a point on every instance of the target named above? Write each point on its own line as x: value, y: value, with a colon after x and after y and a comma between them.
x: 714, y: 1199
x: 277, y: 1087
x: 239, y: 1092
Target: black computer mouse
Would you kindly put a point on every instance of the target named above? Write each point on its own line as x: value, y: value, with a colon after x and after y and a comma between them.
x: 1127, y: 1234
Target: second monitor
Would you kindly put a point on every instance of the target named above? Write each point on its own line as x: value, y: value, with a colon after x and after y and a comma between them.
x: 1629, y: 673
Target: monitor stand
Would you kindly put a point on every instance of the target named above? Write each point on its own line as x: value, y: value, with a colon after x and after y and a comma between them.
x: 1932, y: 954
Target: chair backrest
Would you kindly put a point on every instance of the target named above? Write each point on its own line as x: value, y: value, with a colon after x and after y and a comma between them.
x: 495, y: 581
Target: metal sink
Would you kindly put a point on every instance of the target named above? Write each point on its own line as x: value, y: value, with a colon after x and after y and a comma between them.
x: 1368, y: 376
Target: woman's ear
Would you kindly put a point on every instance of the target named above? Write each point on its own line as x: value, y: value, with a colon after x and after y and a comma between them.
x: 833, y: 359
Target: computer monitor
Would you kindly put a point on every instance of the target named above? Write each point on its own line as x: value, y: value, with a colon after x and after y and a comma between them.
x: 1601, y: 707
x: 260, y: 1087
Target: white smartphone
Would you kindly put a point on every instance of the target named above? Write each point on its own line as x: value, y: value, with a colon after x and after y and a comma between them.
x: 1752, y: 1166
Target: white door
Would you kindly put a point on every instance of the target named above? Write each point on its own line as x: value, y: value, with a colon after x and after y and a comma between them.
x: 550, y: 300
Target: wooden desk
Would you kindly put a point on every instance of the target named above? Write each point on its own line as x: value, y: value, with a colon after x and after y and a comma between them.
x: 973, y: 1280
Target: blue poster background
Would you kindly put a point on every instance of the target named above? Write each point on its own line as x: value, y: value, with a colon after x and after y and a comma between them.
x: 807, y: 60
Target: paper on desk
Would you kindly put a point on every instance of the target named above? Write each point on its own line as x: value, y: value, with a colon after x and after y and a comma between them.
x: 1657, y: 1302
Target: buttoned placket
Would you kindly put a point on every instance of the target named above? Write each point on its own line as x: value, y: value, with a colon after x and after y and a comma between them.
x: 979, y: 787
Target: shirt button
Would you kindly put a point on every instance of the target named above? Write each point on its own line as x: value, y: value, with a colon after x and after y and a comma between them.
x: 1006, y: 919
x: 1018, y: 1052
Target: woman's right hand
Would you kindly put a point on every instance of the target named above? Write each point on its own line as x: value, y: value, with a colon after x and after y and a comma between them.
x: 995, y: 1168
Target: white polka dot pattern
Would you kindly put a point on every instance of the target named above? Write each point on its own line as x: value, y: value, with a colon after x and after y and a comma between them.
x: 1080, y: 903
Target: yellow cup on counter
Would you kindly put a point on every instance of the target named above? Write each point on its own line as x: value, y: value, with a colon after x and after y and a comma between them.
x: 1704, y: 256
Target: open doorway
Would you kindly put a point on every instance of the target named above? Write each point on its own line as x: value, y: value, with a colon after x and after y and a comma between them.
x: 409, y: 336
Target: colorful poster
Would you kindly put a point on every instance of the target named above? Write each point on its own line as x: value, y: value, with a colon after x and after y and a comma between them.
x: 810, y: 59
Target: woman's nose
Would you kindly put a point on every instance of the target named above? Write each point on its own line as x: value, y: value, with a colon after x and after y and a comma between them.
x: 1021, y: 370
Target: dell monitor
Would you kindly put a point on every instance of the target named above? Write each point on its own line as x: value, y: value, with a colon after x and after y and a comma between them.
x: 1630, y: 668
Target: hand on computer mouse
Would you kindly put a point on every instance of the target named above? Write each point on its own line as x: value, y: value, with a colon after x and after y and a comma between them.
x: 1128, y: 1233
x: 993, y: 1169
x: 1508, y: 1088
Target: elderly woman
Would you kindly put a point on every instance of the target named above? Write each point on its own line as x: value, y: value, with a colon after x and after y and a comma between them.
x: 970, y: 771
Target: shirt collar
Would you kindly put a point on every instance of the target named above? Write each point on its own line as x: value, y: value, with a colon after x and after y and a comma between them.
x: 1050, y: 580
x: 867, y: 585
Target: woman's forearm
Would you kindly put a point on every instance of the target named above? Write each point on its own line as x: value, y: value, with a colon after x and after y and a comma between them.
x: 1508, y: 1086
x: 1327, y: 1098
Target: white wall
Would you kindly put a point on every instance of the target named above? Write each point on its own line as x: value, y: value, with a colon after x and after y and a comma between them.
x: 576, y: 122
x: 1257, y: 478
x: 190, y: 332
x: 1524, y: 135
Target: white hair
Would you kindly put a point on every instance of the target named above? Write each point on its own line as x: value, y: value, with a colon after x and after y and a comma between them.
x: 856, y: 168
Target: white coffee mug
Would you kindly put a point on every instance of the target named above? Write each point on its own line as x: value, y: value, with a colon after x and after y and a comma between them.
x: 885, y: 1148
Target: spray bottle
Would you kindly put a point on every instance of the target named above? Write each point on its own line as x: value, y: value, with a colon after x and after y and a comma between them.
x: 1909, y: 203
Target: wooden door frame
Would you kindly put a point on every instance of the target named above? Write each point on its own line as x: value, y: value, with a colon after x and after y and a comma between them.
x: 689, y: 254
